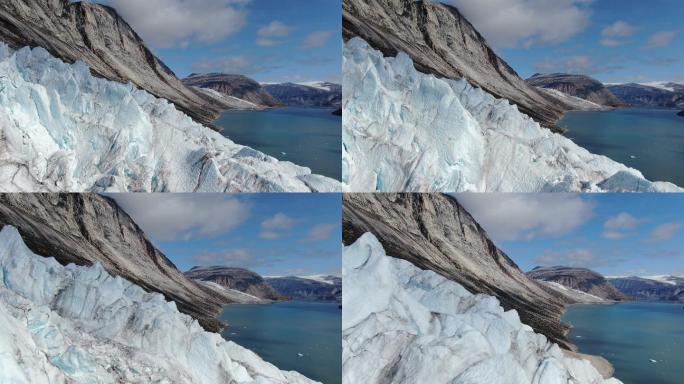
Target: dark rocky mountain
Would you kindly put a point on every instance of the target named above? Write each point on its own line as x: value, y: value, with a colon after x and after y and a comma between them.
x: 238, y: 86
x: 640, y: 95
x: 240, y: 279
x: 435, y: 232
x: 680, y: 113
x: 87, y: 228
x: 322, y: 94
x: 98, y: 36
x: 442, y: 42
x: 581, y: 279
x: 300, y: 288
x: 581, y: 86
x: 641, y: 288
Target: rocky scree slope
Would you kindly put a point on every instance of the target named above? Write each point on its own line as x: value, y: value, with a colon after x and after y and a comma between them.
x: 322, y: 95
x: 61, y: 129
x: 238, y: 86
x: 442, y: 42
x: 85, y: 229
x: 580, y: 86
x: 98, y: 36
x: 581, y: 279
x: 78, y: 324
x: 240, y: 279
x: 641, y: 288
x: 433, y: 231
x: 306, y: 289
x: 417, y: 326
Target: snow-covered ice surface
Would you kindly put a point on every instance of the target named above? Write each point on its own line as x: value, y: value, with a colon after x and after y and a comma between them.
x: 80, y: 325
x: 61, y: 129
x: 408, y: 131
x: 401, y: 324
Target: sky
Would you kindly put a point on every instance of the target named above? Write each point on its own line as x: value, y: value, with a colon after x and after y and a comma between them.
x: 613, y: 234
x: 272, y: 234
x: 614, y: 41
x: 267, y: 40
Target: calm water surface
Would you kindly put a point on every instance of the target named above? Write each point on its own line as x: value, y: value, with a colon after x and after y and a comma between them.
x: 310, y: 137
x: 650, y: 140
x: 280, y: 332
x: 629, y: 335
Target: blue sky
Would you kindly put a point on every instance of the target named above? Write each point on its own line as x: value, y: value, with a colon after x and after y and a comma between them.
x: 611, y: 40
x: 272, y: 234
x: 268, y: 40
x: 614, y: 234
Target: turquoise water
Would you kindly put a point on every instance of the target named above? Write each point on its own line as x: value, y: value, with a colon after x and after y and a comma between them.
x: 279, y: 332
x: 630, y: 334
x: 654, y: 137
x: 310, y: 137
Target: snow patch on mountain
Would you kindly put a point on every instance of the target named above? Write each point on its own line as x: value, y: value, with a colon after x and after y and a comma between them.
x: 402, y: 324
x: 81, y: 325
x: 61, y: 129
x: 408, y: 131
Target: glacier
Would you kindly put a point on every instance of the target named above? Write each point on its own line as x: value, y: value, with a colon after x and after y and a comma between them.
x: 405, y: 131
x: 416, y: 326
x: 62, y: 129
x: 76, y: 324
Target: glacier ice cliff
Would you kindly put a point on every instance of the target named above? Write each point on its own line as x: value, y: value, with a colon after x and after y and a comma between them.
x: 407, y: 131
x: 81, y: 325
x: 61, y: 129
x: 401, y: 324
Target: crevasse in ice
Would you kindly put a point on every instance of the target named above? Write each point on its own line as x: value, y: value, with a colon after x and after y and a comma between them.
x: 408, y: 131
x: 401, y: 324
x: 81, y: 325
x: 61, y: 129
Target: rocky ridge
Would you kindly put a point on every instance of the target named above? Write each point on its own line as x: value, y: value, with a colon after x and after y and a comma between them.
x: 308, y: 289
x: 580, y: 86
x: 666, y: 95
x: 239, y: 279
x: 318, y: 94
x: 581, y: 279
x: 239, y: 86
x: 668, y: 288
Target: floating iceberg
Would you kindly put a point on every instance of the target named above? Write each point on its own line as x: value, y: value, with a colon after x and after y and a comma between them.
x: 407, y: 131
x: 416, y: 326
x: 61, y: 129
x: 81, y: 325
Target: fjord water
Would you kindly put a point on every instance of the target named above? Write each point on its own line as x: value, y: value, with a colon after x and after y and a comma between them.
x: 280, y: 332
x: 310, y: 137
x: 629, y: 335
x: 650, y: 140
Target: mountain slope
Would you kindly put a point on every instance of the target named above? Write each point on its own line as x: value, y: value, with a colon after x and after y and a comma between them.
x: 581, y: 279
x: 643, y: 95
x: 239, y: 279
x: 442, y: 42
x: 238, y: 86
x: 98, y: 36
x: 307, y: 289
x: 644, y: 288
x: 317, y: 94
x: 580, y: 86
x: 434, y: 232
x: 87, y: 228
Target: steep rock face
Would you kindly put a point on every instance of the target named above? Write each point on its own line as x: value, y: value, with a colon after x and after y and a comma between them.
x: 87, y: 228
x: 238, y: 86
x: 581, y: 86
x: 79, y: 324
x: 581, y: 279
x: 98, y: 36
x: 404, y: 325
x: 239, y: 279
x: 641, y: 288
x: 667, y: 95
x: 306, y: 289
x: 434, y: 232
x: 319, y: 94
x: 442, y: 42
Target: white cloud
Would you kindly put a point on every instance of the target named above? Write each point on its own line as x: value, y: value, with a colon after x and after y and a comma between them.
x: 660, y: 39
x: 572, y: 258
x: 320, y: 232
x: 612, y: 34
x: 527, y: 216
x: 272, y: 33
x: 184, y: 216
x: 618, y: 227
x: 238, y: 64
x: 664, y: 232
x: 316, y: 39
x: 234, y: 257
x: 513, y: 23
x: 276, y: 226
x: 580, y: 64
x: 178, y: 23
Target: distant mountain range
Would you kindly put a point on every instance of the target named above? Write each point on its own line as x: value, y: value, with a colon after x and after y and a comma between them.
x: 309, y: 288
x: 239, y: 86
x: 579, y: 279
x: 581, y: 86
x: 312, y: 94
x: 652, y: 95
x: 655, y: 288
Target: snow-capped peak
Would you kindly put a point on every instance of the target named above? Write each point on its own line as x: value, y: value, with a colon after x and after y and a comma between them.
x: 322, y: 85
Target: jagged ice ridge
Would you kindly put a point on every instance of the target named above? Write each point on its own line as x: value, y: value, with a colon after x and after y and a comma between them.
x: 407, y: 131
x: 81, y: 325
x: 62, y: 129
x: 419, y: 327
